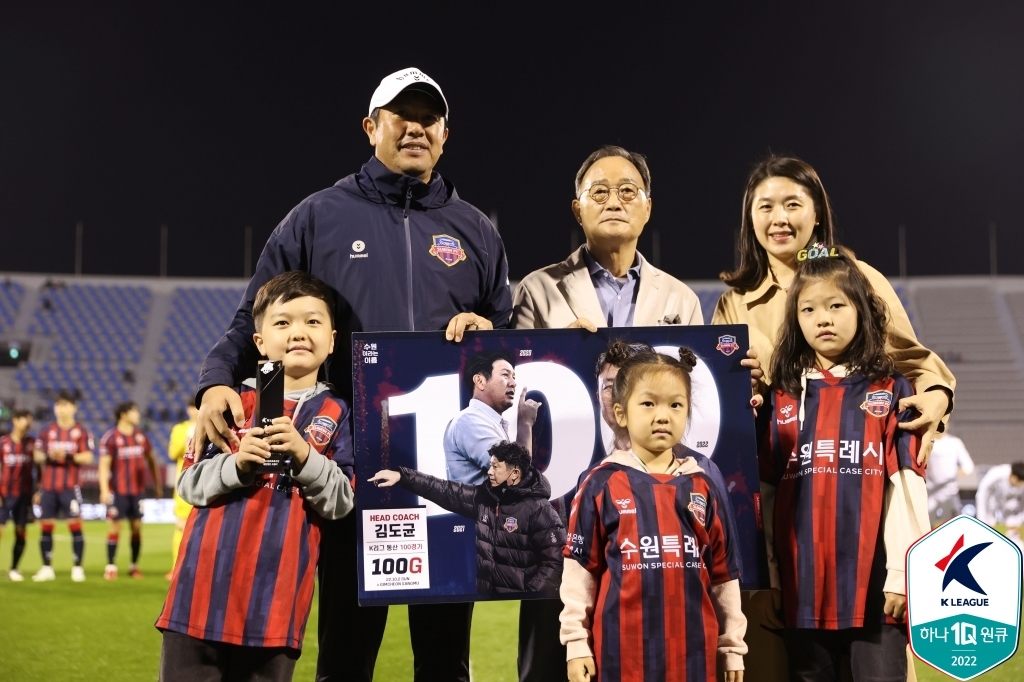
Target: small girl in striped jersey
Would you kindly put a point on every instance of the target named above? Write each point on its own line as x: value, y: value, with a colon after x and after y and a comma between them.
x: 650, y: 585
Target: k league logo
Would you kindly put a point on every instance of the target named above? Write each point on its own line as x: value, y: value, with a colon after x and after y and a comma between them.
x: 963, y: 598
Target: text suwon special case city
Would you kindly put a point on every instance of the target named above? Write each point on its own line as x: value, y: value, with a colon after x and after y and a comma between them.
x: 409, y: 386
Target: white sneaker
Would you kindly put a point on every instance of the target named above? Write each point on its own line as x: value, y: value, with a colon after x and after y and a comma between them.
x: 44, y: 573
x: 78, y: 574
x: 110, y: 572
x: 15, y: 576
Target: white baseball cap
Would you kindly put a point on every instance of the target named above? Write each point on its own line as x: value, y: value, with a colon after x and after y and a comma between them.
x: 406, y: 79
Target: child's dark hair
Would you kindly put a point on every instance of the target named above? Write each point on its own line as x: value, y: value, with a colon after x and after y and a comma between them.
x: 618, y: 352
x: 21, y: 413
x: 639, y: 365
x: 866, y: 354
x: 288, y: 286
x: 514, y: 455
x: 123, y: 408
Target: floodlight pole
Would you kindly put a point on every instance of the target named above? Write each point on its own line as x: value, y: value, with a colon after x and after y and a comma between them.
x: 163, y: 250
x: 993, y: 250
x: 78, y: 248
x: 903, y: 251
x: 247, y: 260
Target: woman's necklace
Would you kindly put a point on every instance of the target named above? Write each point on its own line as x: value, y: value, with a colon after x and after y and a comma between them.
x: 784, y: 287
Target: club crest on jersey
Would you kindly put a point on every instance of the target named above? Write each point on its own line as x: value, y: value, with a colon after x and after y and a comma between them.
x: 320, y: 430
x: 727, y: 344
x: 699, y: 508
x: 447, y: 249
x: 877, y: 403
x: 511, y: 524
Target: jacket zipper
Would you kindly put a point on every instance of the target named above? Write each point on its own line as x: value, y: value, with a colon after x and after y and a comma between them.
x: 408, y: 253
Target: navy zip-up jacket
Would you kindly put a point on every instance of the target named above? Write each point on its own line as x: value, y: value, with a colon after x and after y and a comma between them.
x: 400, y: 254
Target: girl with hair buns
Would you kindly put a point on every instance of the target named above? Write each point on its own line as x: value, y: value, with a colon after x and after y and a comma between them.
x: 650, y: 585
x: 842, y: 491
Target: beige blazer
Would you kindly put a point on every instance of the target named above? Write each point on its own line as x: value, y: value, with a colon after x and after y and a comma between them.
x: 555, y: 296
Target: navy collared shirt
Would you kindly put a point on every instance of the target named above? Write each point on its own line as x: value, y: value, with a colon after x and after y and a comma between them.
x: 616, y: 296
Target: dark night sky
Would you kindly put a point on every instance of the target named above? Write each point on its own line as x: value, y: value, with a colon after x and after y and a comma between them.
x: 213, y: 118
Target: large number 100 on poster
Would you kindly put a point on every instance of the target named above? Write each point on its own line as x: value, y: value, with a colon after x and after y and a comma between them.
x: 408, y: 387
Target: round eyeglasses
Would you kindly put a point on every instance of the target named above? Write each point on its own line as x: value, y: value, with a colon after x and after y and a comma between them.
x: 626, y: 192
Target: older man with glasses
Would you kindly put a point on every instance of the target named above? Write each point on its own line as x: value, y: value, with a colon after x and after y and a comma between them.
x: 604, y: 283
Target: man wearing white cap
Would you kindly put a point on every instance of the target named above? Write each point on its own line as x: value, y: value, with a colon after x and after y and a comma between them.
x: 402, y: 252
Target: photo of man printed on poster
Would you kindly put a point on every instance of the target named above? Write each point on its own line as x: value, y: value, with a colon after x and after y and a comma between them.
x: 490, y: 379
x: 519, y: 536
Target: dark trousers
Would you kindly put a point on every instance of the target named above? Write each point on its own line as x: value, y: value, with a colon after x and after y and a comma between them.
x: 876, y: 654
x: 187, y: 659
x: 350, y: 635
x: 541, y: 654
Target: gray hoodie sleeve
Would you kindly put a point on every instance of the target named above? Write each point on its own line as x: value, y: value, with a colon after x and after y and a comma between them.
x: 325, y: 486
x: 205, y: 481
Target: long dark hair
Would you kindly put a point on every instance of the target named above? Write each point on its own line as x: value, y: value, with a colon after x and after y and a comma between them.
x: 753, y: 267
x: 866, y: 354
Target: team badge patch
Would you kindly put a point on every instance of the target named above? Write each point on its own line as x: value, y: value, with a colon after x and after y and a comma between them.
x: 877, y: 403
x: 447, y: 249
x: 320, y: 430
x: 699, y: 508
x: 727, y: 344
x: 511, y: 524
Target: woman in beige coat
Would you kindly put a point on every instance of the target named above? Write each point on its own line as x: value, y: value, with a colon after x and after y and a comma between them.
x: 786, y: 209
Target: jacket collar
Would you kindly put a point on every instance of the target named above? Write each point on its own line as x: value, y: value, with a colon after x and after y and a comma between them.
x: 754, y: 295
x: 379, y: 184
x: 578, y: 289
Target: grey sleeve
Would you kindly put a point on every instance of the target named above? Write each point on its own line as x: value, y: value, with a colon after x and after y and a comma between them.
x: 325, y: 486
x: 205, y: 481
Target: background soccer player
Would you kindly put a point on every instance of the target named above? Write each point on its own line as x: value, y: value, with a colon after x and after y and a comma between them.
x: 16, y: 483
x: 125, y: 451
x: 62, y: 447
x: 181, y: 435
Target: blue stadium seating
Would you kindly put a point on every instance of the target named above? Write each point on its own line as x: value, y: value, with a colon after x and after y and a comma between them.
x: 93, y: 322
x: 11, y: 293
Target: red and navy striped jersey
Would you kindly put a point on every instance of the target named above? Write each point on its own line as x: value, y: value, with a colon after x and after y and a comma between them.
x: 16, y: 466
x: 61, y: 476
x: 247, y: 562
x: 831, y: 479
x: 656, y: 544
x: 128, y: 460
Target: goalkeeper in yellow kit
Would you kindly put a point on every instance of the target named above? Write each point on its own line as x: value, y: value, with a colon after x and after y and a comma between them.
x: 181, y: 436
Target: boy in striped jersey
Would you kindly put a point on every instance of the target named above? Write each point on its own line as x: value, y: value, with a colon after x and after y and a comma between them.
x: 62, y: 448
x: 125, y: 452
x: 242, y: 587
x: 16, y: 483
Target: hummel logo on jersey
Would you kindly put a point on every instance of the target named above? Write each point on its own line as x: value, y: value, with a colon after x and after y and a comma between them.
x: 358, y: 246
x: 624, y: 506
x: 959, y: 568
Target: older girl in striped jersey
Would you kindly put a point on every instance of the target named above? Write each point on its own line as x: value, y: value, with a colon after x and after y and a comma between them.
x: 842, y: 491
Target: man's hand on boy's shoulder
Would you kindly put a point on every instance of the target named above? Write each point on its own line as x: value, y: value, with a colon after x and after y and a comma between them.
x: 282, y: 436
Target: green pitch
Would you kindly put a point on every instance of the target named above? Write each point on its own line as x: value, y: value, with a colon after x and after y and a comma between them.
x: 99, y: 630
